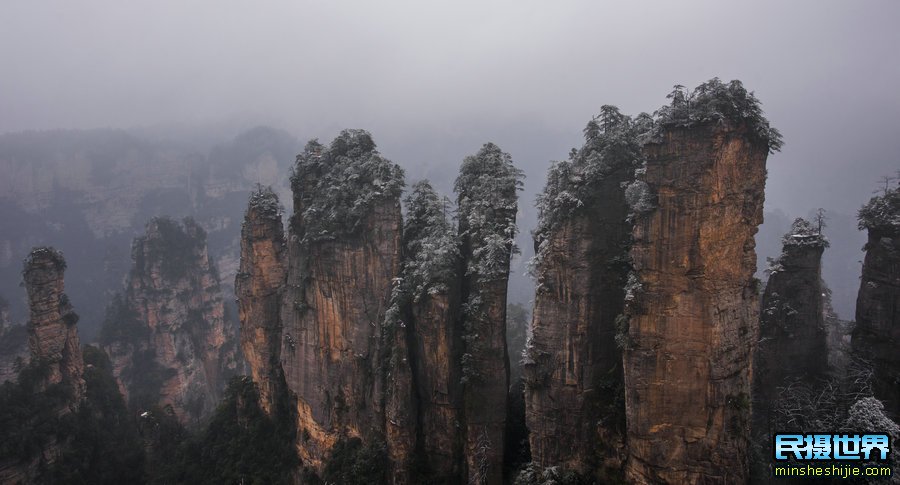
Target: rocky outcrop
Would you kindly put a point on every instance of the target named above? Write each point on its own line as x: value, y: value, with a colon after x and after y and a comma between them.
x: 167, y: 337
x: 343, y: 254
x: 428, y: 304
x: 793, y: 341
x: 52, y: 334
x: 392, y: 360
x: 876, y: 336
x: 574, y: 382
x: 49, y: 387
x: 692, y: 300
x: 259, y: 286
x: 487, y: 200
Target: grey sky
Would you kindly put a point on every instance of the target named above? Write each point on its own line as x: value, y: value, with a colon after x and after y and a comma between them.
x: 828, y: 73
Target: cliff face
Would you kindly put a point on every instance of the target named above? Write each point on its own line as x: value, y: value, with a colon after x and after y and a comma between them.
x: 486, y: 189
x: 259, y: 286
x: 793, y: 342
x: 574, y: 393
x: 343, y: 253
x: 168, y: 339
x: 693, y: 306
x: 876, y: 336
x: 52, y: 334
x: 429, y: 306
x: 381, y: 368
x: 33, y: 406
x: 438, y: 348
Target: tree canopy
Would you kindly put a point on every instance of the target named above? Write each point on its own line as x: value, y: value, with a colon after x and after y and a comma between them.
x: 487, y: 199
x: 337, y: 186
x: 430, y: 245
x: 882, y: 212
x: 717, y: 102
x: 804, y: 233
x: 612, y: 141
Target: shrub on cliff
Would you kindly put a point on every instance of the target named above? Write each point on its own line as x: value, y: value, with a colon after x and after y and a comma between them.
x: 337, y: 186
x: 882, y: 212
x: 355, y: 463
x: 239, y: 445
x: 173, y: 244
x: 611, y: 141
x: 429, y: 243
x: 122, y: 324
x: 803, y: 233
x: 97, y: 442
x: 717, y: 102
x: 103, y: 443
x: 487, y: 198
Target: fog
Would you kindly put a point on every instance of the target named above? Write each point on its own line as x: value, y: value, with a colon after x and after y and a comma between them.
x: 434, y: 80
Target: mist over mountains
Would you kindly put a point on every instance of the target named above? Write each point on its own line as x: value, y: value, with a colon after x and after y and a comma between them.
x: 411, y: 242
x: 90, y: 192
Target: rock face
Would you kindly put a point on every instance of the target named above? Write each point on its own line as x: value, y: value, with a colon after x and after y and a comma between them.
x: 259, y: 286
x: 693, y: 307
x: 430, y: 306
x: 876, y: 336
x: 167, y: 338
x: 486, y: 189
x: 343, y: 253
x: 52, y: 334
x: 390, y: 358
x: 56, y: 364
x: 793, y: 342
x: 574, y: 382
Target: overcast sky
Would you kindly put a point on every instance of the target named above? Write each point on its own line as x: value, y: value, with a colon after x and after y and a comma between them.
x: 525, y: 73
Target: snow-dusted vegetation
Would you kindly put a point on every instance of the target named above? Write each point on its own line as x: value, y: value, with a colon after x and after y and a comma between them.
x: 430, y: 253
x: 487, y: 186
x: 718, y: 102
x: 882, y: 212
x: 487, y: 198
x: 430, y: 245
x: 612, y: 141
x: 804, y: 233
x: 338, y: 185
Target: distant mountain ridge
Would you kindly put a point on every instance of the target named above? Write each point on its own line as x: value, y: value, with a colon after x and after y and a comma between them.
x: 90, y: 192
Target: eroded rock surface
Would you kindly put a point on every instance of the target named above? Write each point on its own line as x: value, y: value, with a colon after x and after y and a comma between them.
x: 694, y: 306
x: 52, y: 334
x: 167, y: 336
x: 259, y: 286
x: 793, y: 341
x: 343, y: 254
x: 429, y: 306
x: 575, y: 389
x: 487, y: 200
x: 876, y: 337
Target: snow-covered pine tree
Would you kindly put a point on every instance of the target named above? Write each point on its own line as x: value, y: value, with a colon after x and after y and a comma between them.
x: 336, y: 186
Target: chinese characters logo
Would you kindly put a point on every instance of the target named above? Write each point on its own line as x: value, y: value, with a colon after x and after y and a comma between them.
x: 867, y: 447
